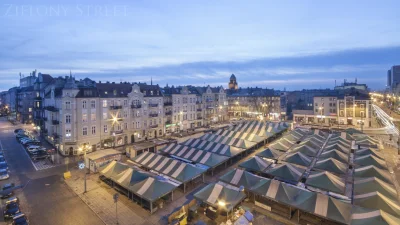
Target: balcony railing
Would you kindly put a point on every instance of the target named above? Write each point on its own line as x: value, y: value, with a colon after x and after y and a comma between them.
x: 167, y: 103
x: 198, y: 102
x: 115, y: 107
x: 37, y: 98
x: 168, y: 122
x: 153, y: 105
x: 168, y: 113
x: 51, y: 108
x: 199, y: 110
x: 209, y: 100
x: 136, y: 106
x: 118, y: 132
x: 55, y: 122
x: 44, y: 118
x: 153, y: 126
x: 153, y: 114
x: 199, y: 117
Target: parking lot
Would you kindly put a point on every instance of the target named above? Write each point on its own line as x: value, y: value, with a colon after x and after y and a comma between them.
x: 43, y: 197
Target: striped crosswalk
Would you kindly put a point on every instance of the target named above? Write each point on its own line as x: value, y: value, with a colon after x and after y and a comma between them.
x: 43, y: 164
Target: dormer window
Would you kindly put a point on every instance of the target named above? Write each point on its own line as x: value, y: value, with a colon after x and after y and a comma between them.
x: 115, y: 92
x: 151, y: 92
x: 105, y: 92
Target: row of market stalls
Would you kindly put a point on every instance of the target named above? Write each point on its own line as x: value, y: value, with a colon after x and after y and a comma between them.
x: 338, y: 166
x: 144, y: 188
x: 313, y: 207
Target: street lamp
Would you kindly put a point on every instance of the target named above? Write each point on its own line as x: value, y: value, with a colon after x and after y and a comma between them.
x: 84, y: 148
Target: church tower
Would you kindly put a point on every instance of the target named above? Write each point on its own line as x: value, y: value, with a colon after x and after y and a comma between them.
x: 233, y: 85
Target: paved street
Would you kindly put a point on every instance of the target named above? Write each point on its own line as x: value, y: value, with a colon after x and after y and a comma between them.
x: 45, y: 198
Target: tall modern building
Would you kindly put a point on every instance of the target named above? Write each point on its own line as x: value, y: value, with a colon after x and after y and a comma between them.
x: 393, y: 76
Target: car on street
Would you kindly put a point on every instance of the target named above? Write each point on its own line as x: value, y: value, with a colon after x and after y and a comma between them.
x: 35, y: 142
x: 2, y: 159
x: 4, y: 174
x: 3, y: 165
x: 5, y: 188
x: 18, y: 130
x: 33, y: 147
x: 20, y: 137
x: 20, y: 219
x: 11, y: 210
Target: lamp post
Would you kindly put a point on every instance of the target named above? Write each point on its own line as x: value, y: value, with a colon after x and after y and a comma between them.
x: 84, y: 148
x: 320, y: 110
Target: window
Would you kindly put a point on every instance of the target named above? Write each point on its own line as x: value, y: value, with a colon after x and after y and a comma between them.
x: 68, y: 119
x: 362, y: 114
x: 93, y: 117
x: 84, y: 117
x: 104, y: 116
x: 67, y: 105
x: 126, y: 126
x: 37, y: 104
x: 84, y: 104
x: 104, y: 103
x: 93, y: 104
x: 67, y: 133
x: 84, y: 131
x: 93, y: 130
x: 125, y: 102
x: 105, y: 128
x: 119, y: 127
x: 137, y: 113
x: 125, y: 114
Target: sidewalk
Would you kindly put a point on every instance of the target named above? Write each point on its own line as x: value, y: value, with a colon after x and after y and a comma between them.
x: 99, y: 197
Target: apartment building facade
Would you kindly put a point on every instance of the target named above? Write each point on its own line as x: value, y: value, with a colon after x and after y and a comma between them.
x: 337, y: 110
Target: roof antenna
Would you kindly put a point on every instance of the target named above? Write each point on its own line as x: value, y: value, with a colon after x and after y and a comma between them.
x: 151, y: 81
x: 70, y: 74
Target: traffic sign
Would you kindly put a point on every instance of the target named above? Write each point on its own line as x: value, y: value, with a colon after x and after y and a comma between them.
x: 81, y: 166
x: 115, y: 197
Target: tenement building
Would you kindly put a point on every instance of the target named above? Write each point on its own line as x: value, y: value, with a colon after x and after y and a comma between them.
x: 84, y: 115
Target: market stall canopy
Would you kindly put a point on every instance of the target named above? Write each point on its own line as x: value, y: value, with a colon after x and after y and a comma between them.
x: 214, y: 147
x: 339, y: 147
x: 365, y: 216
x: 331, y: 165
x: 240, y: 177
x: 255, y: 163
x: 370, y: 160
x: 236, y: 142
x: 372, y: 171
x: 241, y: 135
x: 306, y: 150
x: 326, y: 181
x: 335, y: 154
x: 298, y: 158
x: 219, y: 196
x: 376, y: 200
x: 270, y: 153
x: 287, y: 142
x: 198, y: 156
x: 175, y: 169
x: 340, y: 142
x: 286, y: 171
x: 327, y: 207
x: 312, y: 144
x: 279, y: 146
x: 110, y: 169
x: 368, y: 151
x: 372, y: 184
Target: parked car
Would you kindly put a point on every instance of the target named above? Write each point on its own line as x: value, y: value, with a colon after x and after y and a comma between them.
x: 30, y: 142
x: 32, y: 147
x: 11, y: 210
x: 39, y: 155
x: 4, y: 174
x: 20, y: 219
x: 12, y: 199
x: 35, y: 150
x: 25, y: 140
x: 3, y: 165
x: 19, y: 137
x: 2, y: 159
x: 6, y: 187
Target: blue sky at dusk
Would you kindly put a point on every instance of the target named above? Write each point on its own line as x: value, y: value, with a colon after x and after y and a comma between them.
x: 274, y: 44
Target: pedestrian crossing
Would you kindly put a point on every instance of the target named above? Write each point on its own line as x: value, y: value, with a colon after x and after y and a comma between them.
x: 43, y: 164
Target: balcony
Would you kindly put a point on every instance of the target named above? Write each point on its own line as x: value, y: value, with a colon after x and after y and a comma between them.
x: 55, y: 122
x: 167, y: 103
x: 136, y: 106
x: 153, y: 114
x: 198, y: 102
x: 118, y: 132
x: 168, y: 122
x: 153, y: 126
x: 115, y: 107
x: 153, y: 105
x: 37, y: 98
x: 44, y: 118
x: 209, y: 100
x: 168, y: 113
x: 199, y: 117
x: 199, y: 110
x: 51, y: 108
